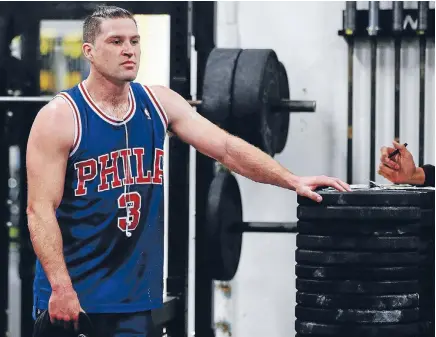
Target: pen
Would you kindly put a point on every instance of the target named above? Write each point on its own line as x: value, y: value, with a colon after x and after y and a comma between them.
x: 396, y: 152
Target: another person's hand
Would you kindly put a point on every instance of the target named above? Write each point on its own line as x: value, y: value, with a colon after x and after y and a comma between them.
x: 306, y: 186
x: 401, y: 168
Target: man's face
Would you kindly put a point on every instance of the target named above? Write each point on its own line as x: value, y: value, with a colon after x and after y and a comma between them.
x: 116, y: 51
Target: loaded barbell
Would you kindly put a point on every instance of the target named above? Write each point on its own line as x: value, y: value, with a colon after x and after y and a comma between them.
x: 375, y: 240
x: 225, y: 226
x: 245, y: 92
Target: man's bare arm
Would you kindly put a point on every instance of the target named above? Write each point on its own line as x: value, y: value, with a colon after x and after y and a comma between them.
x: 48, y: 148
x: 236, y: 154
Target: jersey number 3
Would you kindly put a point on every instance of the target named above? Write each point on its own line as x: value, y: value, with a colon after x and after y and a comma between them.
x: 132, y: 203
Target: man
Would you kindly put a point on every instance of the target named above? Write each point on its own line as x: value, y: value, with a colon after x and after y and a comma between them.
x: 94, y: 162
x: 401, y: 168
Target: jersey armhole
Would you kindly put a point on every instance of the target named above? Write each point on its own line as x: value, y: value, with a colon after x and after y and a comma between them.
x: 77, y: 121
x: 158, y: 106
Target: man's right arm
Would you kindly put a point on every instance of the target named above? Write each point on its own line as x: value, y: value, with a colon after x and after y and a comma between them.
x: 48, y: 148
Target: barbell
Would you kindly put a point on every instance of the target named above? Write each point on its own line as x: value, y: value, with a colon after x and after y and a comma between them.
x: 245, y: 92
x: 224, y: 225
x: 293, y: 106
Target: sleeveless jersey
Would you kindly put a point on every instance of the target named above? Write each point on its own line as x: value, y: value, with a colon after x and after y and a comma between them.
x: 111, y: 214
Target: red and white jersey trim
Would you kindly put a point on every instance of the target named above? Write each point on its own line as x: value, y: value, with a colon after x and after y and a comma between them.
x: 103, y: 115
x: 77, y: 121
x: 158, y: 106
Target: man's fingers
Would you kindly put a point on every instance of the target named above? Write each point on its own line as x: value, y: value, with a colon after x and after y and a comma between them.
x: 383, y: 174
x: 343, y: 184
x: 76, y: 325
x: 386, y: 151
x: 403, y: 150
x: 305, y: 191
x: 385, y: 171
x: 313, y: 195
x: 391, y: 164
x: 332, y: 182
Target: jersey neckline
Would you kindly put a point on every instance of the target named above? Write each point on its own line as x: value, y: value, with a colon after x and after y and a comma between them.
x: 102, y: 114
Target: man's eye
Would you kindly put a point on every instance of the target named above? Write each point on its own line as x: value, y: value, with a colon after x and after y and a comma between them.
x: 116, y: 41
x: 135, y: 41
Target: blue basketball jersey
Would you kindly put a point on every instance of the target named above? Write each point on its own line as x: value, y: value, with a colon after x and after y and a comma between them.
x: 111, y: 214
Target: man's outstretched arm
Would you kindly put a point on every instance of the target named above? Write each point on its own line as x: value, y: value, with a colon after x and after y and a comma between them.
x: 236, y: 154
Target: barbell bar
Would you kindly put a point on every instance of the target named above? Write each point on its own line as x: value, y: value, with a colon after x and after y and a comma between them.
x: 264, y: 227
x: 285, y: 105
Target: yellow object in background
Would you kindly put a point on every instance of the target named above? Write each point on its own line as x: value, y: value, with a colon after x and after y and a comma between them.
x: 46, y: 81
x: 72, y: 78
x: 47, y: 44
x: 72, y: 46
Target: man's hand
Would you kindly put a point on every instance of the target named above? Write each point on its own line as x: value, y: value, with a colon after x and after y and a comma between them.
x: 305, y: 186
x: 401, y: 168
x: 64, y: 306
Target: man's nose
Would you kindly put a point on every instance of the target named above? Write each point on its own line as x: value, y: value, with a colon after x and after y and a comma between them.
x: 128, y: 50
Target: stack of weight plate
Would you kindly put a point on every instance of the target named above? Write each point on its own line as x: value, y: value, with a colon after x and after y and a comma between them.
x: 365, y: 263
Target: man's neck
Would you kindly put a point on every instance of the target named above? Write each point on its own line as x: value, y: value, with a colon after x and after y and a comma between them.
x: 104, y: 91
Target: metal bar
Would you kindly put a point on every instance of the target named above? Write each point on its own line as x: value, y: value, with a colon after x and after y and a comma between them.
x: 397, y: 72
x: 422, y: 27
x: 350, y: 111
x: 350, y: 27
x: 266, y: 227
x: 25, y: 99
x: 4, y: 229
x: 373, y: 28
x: 204, y: 28
x: 30, y: 57
x: 397, y: 27
x: 178, y: 175
x: 373, y: 107
x: 284, y: 106
x: 287, y: 105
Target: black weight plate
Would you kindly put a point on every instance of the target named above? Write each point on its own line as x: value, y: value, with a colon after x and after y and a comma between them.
x: 224, y: 209
x: 371, y: 243
x: 357, y: 287
x: 374, y: 228
x: 218, y: 84
x: 281, y: 118
x: 366, y: 330
x: 313, y: 257
x: 255, y: 91
x: 349, y: 301
x: 398, y: 214
x: 422, y: 198
x: 335, y: 316
x: 357, y: 273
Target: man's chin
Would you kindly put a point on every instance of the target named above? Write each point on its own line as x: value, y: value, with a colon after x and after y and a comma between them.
x: 129, y: 78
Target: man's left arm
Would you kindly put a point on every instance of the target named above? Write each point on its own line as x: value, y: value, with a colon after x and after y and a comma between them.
x: 236, y: 154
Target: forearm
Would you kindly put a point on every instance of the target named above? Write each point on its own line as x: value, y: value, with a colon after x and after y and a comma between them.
x: 48, y: 246
x: 244, y: 159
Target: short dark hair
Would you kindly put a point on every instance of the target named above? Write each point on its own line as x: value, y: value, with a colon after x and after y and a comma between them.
x: 91, y: 26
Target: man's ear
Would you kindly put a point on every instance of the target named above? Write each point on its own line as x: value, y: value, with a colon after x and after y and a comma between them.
x: 87, y: 49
